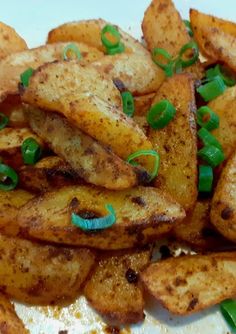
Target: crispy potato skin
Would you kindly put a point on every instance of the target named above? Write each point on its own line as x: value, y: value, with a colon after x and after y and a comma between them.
x: 40, y: 274
x: 196, y: 229
x: 10, y: 323
x: 88, y: 159
x: 89, y: 32
x: 223, y: 209
x: 142, y: 215
x: 177, y: 143
x: 13, y: 65
x: 10, y: 41
x: 224, y: 106
x: 182, y: 284
x: 111, y: 294
x: 10, y: 203
x: 143, y: 103
x: 90, y: 101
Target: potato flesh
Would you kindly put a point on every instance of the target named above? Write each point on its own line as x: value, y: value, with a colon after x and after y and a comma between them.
x: 177, y: 143
x: 109, y: 291
x: 40, y: 274
x: 142, y: 214
x: 10, y: 41
x: 223, y: 210
x: 190, y: 284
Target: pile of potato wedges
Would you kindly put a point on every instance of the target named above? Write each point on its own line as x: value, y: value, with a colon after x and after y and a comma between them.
x: 72, y: 107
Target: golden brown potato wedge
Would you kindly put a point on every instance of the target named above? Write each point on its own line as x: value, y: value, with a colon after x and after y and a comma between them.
x: 114, y: 289
x: 142, y: 214
x: 41, y: 274
x: 189, y: 284
x: 223, y: 209
x: 143, y: 103
x: 176, y: 143
x: 48, y: 174
x: 196, y: 229
x: 130, y: 69
x: 90, y: 101
x: 13, y: 65
x: 201, y: 22
x: 224, y: 106
x: 10, y: 41
x: 88, y: 159
x: 10, y: 323
x: 14, y: 110
x: 89, y: 32
x: 10, y: 203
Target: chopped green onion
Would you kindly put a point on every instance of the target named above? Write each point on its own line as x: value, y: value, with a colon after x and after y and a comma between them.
x: 212, y: 155
x: 228, y: 310
x: 161, y: 114
x: 3, y: 121
x: 208, y: 139
x: 189, y: 46
x: 167, y: 65
x: 188, y: 27
x: 205, y: 178
x: 25, y: 76
x: 95, y: 224
x: 31, y: 151
x: 112, y: 32
x: 212, y: 89
x: 71, y: 48
x: 207, y: 119
x: 219, y: 70
x: 117, y: 49
x: 9, y: 179
x: 140, y: 153
x: 128, y: 103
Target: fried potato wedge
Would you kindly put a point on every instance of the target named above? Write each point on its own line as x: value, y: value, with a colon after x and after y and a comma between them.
x: 189, y: 284
x: 10, y: 41
x: 130, y: 69
x: 143, y: 103
x: 88, y: 159
x: 90, y: 101
x: 14, y: 110
x: 114, y: 289
x: 48, y: 174
x: 10, y: 203
x: 13, y: 65
x: 38, y: 274
x: 10, y: 323
x: 223, y: 209
x: 224, y: 106
x: 196, y: 229
x: 201, y: 22
x: 177, y: 143
x: 89, y: 32
x: 142, y: 214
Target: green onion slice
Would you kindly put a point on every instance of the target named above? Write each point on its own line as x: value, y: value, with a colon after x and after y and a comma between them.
x: 188, y: 27
x: 212, y: 89
x: 71, y: 49
x: 161, y: 114
x: 131, y: 159
x: 228, y: 310
x: 208, y: 139
x: 117, y: 49
x: 3, y: 121
x: 189, y: 46
x: 128, y: 103
x: 212, y: 155
x: 205, y: 178
x: 25, y: 76
x: 110, y: 36
x: 159, y: 53
x: 31, y: 151
x: 9, y: 179
x: 207, y: 119
x: 95, y: 224
x: 219, y: 71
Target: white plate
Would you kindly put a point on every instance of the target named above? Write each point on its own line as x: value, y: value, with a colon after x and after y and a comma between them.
x: 33, y: 19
